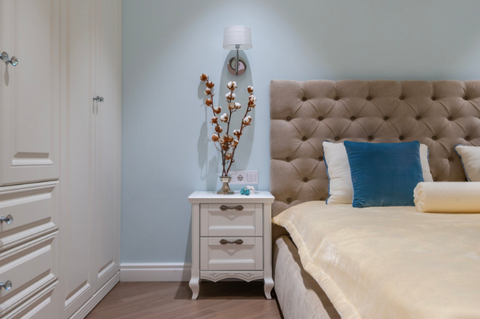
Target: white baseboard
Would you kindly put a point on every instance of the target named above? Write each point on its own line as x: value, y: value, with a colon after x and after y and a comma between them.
x: 96, y: 298
x: 155, y: 272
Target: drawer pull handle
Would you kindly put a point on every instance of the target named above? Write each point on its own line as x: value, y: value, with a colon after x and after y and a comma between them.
x: 8, y: 219
x: 225, y: 207
x: 236, y: 242
x: 6, y: 285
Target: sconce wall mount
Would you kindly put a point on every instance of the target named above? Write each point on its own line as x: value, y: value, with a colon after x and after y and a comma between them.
x: 237, y: 38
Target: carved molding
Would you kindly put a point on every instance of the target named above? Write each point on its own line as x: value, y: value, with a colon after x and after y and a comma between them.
x: 246, y: 276
x: 29, y: 297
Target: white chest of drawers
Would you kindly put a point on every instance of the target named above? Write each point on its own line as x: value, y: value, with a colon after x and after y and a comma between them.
x: 231, y: 238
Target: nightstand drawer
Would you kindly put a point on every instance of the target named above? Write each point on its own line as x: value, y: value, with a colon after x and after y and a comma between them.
x: 231, y: 253
x: 231, y: 220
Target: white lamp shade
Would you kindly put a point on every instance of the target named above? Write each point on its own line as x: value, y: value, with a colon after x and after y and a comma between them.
x: 237, y: 35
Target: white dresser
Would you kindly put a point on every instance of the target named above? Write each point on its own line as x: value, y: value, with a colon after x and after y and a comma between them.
x: 231, y: 238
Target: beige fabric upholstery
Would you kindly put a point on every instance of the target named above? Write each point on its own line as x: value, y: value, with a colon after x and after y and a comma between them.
x: 439, y: 114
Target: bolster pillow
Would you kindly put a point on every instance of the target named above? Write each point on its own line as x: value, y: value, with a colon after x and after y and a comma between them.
x: 447, y: 197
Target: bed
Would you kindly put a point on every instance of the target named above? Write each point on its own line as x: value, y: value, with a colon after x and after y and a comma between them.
x: 439, y: 114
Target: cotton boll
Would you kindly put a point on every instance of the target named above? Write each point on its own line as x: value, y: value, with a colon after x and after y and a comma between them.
x: 224, y: 117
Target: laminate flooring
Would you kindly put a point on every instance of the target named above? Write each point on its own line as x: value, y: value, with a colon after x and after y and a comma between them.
x: 151, y: 300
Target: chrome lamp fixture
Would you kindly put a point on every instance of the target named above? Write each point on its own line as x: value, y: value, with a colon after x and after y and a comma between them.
x: 237, y: 37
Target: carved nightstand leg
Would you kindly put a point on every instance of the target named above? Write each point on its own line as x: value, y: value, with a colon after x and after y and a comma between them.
x: 195, y: 286
x: 268, y: 287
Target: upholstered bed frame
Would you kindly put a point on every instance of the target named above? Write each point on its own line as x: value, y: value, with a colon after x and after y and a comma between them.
x: 439, y: 114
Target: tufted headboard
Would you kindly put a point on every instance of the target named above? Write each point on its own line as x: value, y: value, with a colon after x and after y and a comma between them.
x: 439, y: 114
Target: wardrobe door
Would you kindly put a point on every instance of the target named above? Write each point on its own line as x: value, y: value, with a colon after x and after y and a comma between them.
x: 108, y: 120
x: 29, y: 91
x: 78, y: 221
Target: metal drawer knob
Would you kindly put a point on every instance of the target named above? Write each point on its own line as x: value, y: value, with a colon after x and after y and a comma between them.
x: 8, y: 219
x: 7, y: 285
x: 225, y: 207
x: 227, y: 242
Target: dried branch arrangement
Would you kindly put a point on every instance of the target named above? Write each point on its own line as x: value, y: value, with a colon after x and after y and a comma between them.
x: 226, y: 143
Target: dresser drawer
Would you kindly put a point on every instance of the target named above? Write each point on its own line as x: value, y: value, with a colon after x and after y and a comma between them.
x: 27, y: 212
x: 28, y: 268
x: 231, y: 220
x: 217, y: 254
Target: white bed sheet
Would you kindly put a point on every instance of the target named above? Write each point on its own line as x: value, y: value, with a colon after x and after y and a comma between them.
x: 389, y: 262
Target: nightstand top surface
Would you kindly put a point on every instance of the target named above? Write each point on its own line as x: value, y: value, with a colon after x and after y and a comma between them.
x: 213, y: 197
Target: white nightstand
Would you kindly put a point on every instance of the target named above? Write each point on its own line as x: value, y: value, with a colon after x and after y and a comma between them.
x: 231, y: 238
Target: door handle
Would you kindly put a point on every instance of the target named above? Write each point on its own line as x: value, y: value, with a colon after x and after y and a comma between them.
x: 5, y: 58
x: 99, y: 98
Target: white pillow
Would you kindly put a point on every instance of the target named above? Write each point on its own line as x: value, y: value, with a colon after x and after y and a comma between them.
x: 470, y: 156
x: 340, y: 186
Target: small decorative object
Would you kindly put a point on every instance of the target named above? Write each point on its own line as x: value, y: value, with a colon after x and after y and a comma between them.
x: 247, y: 190
x: 237, y: 37
x: 227, y: 143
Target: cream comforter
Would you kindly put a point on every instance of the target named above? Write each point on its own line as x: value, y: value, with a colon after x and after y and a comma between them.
x: 390, y: 262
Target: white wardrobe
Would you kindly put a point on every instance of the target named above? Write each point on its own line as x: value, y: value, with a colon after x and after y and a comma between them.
x: 60, y: 122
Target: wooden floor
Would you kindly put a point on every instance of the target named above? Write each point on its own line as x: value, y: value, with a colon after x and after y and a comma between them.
x: 152, y: 300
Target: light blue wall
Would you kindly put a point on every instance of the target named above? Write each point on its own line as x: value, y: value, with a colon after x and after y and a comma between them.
x: 167, y: 44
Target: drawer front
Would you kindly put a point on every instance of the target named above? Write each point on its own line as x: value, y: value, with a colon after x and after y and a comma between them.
x: 227, y: 220
x: 28, y: 268
x: 28, y: 210
x: 246, y: 254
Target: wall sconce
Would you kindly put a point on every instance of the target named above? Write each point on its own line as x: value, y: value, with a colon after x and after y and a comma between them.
x: 237, y: 37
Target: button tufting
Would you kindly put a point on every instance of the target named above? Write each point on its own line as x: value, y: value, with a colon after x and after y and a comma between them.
x: 320, y: 118
x: 370, y: 138
x: 385, y: 118
x: 288, y: 118
x: 369, y: 98
x: 352, y: 118
x: 401, y: 137
x: 288, y: 159
x: 337, y: 138
x: 402, y: 97
x: 465, y: 98
x: 417, y: 117
x: 449, y: 118
x: 304, y: 99
x: 304, y: 138
x: 434, y: 179
x: 336, y: 98
x: 467, y: 138
x: 433, y: 98
x: 320, y: 158
x: 289, y: 200
x: 305, y: 179
x: 450, y: 158
x: 434, y: 138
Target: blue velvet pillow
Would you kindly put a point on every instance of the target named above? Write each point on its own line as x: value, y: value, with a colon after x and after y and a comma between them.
x: 384, y: 174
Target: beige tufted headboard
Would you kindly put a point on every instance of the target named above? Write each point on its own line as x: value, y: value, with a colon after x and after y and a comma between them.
x: 439, y: 114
